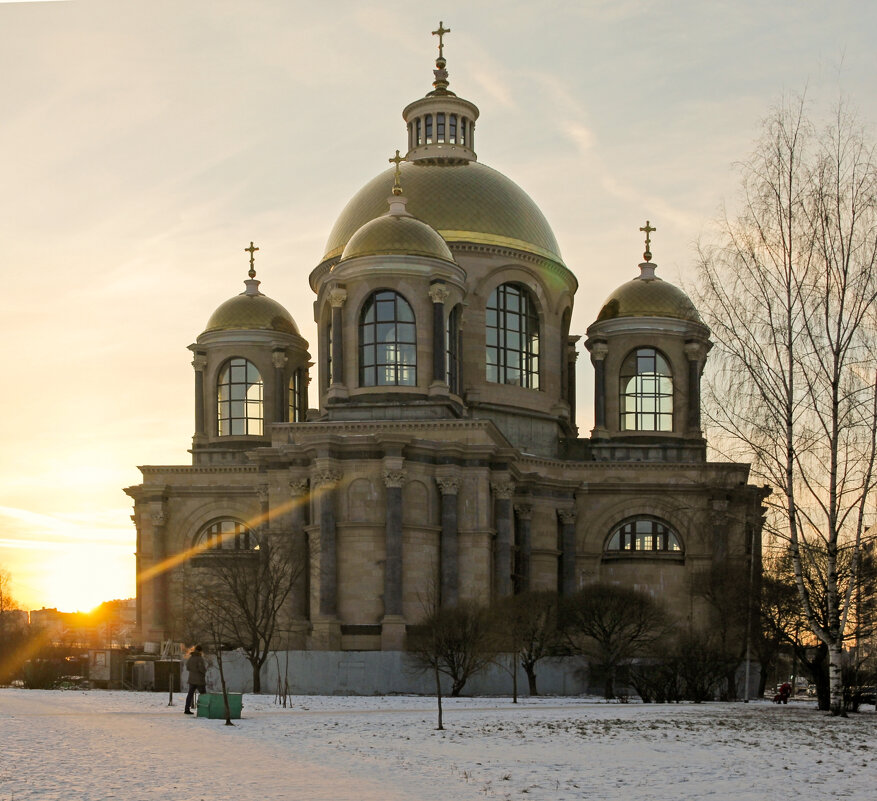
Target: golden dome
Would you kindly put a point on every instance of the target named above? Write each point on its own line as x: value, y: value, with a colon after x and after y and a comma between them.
x: 397, y: 234
x: 649, y: 297
x: 251, y: 312
x: 463, y: 201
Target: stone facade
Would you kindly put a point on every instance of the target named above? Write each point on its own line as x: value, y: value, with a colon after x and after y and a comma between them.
x: 442, y: 462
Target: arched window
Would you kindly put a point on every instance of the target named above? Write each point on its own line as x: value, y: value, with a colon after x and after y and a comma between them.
x: 512, y: 337
x: 239, y: 391
x: 387, y: 341
x: 226, y: 535
x: 452, y: 348
x: 646, y: 390
x: 643, y: 535
x: 296, y: 399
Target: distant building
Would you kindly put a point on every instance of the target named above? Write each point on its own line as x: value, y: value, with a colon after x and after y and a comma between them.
x: 444, y: 458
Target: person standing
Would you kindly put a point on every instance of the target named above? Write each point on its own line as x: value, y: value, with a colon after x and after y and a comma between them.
x: 197, y: 669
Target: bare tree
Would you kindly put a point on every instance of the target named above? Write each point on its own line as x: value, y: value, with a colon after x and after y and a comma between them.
x: 610, y: 625
x: 791, y: 297
x: 247, y: 590
x: 526, y: 625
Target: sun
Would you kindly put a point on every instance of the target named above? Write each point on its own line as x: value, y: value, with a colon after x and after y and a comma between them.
x: 77, y: 580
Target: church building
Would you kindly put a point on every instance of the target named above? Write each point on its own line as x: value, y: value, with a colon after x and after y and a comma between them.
x: 443, y: 462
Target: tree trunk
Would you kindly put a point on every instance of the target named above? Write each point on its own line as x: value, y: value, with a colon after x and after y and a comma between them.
x: 514, y: 678
x: 835, y: 680
x: 438, y: 697
x: 609, y: 683
x: 257, y: 678
x: 530, y: 670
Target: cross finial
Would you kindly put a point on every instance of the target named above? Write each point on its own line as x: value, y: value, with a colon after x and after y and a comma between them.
x: 251, y: 250
x: 442, y: 30
x: 648, y: 230
x: 397, y: 160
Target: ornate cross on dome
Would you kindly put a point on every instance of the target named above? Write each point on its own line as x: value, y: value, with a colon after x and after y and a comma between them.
x: 397, y: 160
x: 442, y: 30
x: 251, y: 250
x: 648, y: 230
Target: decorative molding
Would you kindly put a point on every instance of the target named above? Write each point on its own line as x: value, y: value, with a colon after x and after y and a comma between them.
x: 599, y: 351
x: 448, y: 486
x: 695, y: 351
x: 279, y: 359
x: 158, y: 519
x: 199, y: 362
x: 394, y: 478
x: 439, y: 293
x: 262, y: 492
x: 503, y: 489
x: 337, y: 297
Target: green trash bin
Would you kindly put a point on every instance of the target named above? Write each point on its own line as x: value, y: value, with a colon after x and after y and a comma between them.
x: 211, y: 705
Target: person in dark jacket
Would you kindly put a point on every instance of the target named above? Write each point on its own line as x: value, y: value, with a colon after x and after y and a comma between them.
x: 197, y: 668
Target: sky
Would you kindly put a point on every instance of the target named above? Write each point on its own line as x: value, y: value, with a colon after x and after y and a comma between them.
x: 145, y: 143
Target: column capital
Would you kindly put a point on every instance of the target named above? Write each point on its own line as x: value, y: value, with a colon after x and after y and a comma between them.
x: 262, y: 492
x: 694, y: 351
x: 503, y: 489
x: 567, y: 516
x: 337, y: 297
x: 438, y: 292
x: 298, y: 487
x: 394, y: 478
x: 448, y: 486
x: 325, y: 477
x: 599, y: 350
x: 524, y: 511
x: 158, y: 519
x: 279, y: 359
x: 199, y: 362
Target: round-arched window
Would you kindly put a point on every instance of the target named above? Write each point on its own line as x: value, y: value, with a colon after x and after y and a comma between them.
x: 646, y: 392
x: 226, y: 535
x: 643, y: 535
x: 239, y: 392
x: 387, y: 341
x: 512, y: 337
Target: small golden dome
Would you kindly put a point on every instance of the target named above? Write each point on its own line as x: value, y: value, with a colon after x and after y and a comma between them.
x: 397, y: 234
x: 649, y: 297
x: 247, y: 312
x: 464, y: 201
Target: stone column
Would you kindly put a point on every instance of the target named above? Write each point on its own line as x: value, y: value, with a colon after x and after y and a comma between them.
x: 298, y: 599
x: 599, y: 350
x: 337, y: 299
x: 200, y: 364
x: 502, y: 492
x: 281, y: 390
x: 572, y: 356
x: 160, y: 579
x: 567, y: 551
x: 695, y: 353
x: 393, y: 622
x: 524, y: 515
x: 261, y: 530
x: 325, y: 482
x: 438, y: 292
x: 449, y: 550
x: 138, y: 571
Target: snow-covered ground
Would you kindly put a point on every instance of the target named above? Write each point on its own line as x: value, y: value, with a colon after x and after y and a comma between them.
x: 92, y: 746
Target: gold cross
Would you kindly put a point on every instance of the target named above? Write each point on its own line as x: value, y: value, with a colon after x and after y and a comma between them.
x: 251, y: 250
x: 648, y: 230
x: 397, y: 160
x: 442, y: 30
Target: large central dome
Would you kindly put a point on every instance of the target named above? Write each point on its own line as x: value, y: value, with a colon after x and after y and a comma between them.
x: 465, y: 201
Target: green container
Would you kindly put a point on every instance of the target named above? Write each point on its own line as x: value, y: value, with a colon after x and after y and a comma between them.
x: 211, y: 705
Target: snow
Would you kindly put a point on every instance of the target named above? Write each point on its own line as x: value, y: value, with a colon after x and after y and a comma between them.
x: 96, y: 745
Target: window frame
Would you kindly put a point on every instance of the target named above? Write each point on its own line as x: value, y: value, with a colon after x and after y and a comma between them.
x: 372, y: 371
x: 512, y: 326
x: 648, y: 408
x: 631, y: 531
x: 253, y: 425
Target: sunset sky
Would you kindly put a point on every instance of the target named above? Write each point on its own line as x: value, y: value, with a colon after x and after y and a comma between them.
x: 146, y: 142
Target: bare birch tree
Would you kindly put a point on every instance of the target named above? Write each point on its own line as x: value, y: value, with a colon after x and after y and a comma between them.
x: 789, y: 293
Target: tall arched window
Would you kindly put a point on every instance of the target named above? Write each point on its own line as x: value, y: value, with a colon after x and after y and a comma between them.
x: 239, y: 391
x: 512, y: 337
x: 646, y: 392
x: 387, y: 341
x: 226, y: 535
x: 452, y: 349
x: 643, y: 535
x: 296, y: 398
